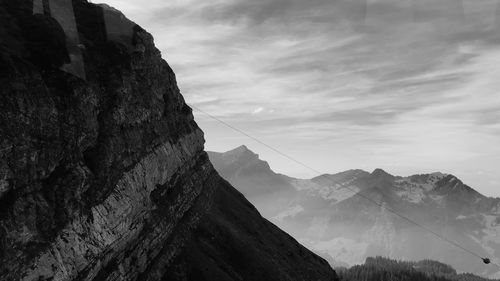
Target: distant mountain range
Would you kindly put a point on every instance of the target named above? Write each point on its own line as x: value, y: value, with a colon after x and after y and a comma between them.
x: 331, y: 215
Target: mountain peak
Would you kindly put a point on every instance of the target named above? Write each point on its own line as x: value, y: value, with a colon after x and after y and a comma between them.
x: 240, y: 152
x: 451, y: 183
x: 240, y: 149
x: 381, y: 173
x: 439, y: 174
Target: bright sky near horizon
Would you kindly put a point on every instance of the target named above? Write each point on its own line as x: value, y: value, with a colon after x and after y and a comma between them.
x: 410, y: 86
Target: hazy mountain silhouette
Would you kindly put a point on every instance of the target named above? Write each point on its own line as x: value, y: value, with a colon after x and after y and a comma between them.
x: 327, y: 214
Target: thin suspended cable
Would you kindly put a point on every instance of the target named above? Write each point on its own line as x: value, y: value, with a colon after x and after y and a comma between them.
x: 356, y: 193
x: 405, y: 218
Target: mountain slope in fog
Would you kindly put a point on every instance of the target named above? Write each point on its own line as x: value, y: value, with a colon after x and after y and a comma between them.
x: 254, y: 178
x: 331, y: 215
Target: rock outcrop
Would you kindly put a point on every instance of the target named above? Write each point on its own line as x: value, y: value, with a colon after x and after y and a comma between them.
x: 103, y: 174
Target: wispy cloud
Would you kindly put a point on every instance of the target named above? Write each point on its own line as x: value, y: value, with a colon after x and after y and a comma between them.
x: 410, y: 85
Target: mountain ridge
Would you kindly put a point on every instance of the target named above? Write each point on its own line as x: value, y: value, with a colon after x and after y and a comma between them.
x: 103, y: 172
x: 444, y: 184
x: 327, y: 214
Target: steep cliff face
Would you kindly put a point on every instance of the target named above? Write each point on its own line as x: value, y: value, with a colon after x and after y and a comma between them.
x: 103, y: 175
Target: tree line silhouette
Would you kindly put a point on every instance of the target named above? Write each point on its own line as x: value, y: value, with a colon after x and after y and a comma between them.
x: 384, y: 269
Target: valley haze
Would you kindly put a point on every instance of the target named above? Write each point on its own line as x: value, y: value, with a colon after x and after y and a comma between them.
x: 349, y: 216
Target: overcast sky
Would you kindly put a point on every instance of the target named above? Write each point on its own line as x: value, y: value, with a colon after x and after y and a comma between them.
x: 410, y: 86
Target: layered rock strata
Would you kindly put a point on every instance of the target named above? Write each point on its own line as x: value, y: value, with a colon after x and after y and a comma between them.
x: 103, y: 176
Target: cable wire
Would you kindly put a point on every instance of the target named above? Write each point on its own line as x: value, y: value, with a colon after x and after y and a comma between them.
x: 328, y: 177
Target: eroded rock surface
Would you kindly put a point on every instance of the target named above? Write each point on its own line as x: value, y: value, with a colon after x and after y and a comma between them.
x: 105, y: 178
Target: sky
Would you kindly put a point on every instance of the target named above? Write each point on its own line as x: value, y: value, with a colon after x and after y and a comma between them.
x: 409, y: 86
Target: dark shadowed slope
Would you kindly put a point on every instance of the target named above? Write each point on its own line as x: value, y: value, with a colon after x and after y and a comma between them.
x: 105, y: 178
x: 235, y: 243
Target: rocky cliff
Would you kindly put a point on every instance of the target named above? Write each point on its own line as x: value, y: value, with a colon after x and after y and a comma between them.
x: 103, y: 175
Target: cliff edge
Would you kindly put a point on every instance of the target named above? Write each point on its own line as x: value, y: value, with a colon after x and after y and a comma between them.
x: 103, y: 174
